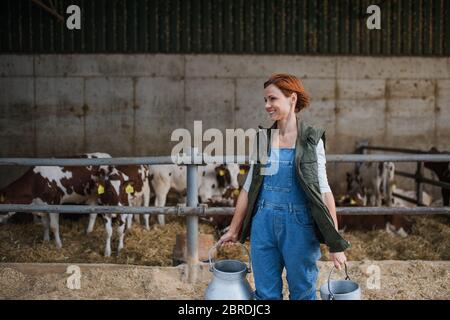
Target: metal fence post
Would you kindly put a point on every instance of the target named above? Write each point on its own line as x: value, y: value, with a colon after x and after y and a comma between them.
x: 419, y: 185
x: 192, y: 221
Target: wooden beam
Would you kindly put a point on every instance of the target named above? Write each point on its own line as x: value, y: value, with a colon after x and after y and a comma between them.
x: 52, y: 11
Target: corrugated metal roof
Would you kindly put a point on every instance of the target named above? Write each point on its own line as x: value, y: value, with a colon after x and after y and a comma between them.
x: 409, y: 27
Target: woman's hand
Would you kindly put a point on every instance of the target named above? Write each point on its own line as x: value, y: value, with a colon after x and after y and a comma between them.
x: 338, y: 258
x: 227, y: 238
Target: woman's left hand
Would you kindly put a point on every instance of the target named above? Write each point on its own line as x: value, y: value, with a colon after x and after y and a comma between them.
x: 338, y: 258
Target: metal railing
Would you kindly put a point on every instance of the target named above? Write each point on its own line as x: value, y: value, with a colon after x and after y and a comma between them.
x: 203, y: 210
x: 192, y: 211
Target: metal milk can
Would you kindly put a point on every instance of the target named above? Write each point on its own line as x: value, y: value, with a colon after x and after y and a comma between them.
x: 340, y: 289
x: 229, y: 280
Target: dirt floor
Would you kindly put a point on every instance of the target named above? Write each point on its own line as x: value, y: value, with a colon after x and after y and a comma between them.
x: 21, y: 241
x: 397, y: 280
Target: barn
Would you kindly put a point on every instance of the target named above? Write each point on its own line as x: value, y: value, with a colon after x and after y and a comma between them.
x: 109, y: 80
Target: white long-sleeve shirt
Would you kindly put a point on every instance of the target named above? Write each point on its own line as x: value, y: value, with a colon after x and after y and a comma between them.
x: 321, y: 172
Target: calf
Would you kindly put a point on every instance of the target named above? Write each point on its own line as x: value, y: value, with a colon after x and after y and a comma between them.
x: 115, y: 190
x: 221, y: 223
x: 442, y: 170
x: 401, y: 225
x: 377, y: 180
x: 394, y: 224
x: 356, y: 192
x: 213, y: 181
x: 381, y: 185
x: 138, y: 177
x: 54, y: 186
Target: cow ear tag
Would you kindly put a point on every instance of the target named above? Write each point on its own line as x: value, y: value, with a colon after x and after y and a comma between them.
x: 129, y: 189
x: 221, y: 173
x: 352, y: 201
x: 236, y: 192
x: 100, y: 189
x: 242, y: 171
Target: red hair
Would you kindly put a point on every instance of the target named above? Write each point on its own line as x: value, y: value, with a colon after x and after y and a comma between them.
x: 288, y: 84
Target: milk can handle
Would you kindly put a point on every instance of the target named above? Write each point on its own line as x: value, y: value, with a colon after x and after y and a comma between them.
x: 249, y: 269
x: 331, y: 295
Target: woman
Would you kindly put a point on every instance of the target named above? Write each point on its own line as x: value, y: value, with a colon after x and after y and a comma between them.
x: 287, y: 203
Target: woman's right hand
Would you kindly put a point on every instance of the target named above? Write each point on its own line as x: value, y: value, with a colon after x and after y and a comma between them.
x: 228, y: 238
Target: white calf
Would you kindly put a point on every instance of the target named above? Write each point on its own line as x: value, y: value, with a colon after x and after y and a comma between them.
x: 213, y: 180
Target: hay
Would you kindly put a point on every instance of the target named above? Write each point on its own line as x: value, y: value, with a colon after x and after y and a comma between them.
x: 21, y: 241
x: 428, y: 240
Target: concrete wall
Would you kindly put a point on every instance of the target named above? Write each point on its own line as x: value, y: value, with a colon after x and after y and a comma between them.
x: 60, y: 105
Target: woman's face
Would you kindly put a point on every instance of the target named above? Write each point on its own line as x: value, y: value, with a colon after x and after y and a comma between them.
x: 277, y: 105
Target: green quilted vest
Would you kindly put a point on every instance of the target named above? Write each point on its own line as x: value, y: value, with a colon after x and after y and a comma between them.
x: 306, y: 164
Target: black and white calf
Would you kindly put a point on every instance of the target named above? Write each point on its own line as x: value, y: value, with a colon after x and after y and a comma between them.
x: 375, y: 180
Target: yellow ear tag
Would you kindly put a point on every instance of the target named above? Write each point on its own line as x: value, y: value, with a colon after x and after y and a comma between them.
x: 221, y: 173
x: 100, y: 189
x: 352, y: 201
x: 236, y: 192
x: 129, y: 189
x: 242, y: 171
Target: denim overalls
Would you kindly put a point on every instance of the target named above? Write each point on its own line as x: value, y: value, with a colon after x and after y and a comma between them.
x: 282, y: 233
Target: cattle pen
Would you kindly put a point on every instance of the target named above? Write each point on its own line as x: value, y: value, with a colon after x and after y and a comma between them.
x: 192, y: 210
